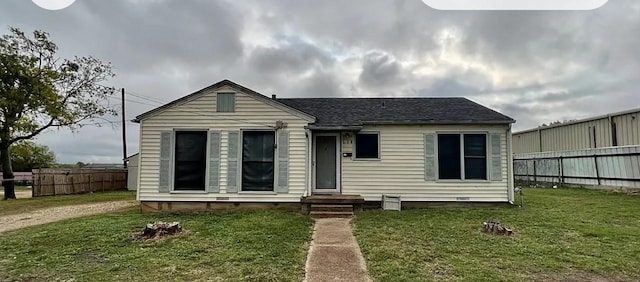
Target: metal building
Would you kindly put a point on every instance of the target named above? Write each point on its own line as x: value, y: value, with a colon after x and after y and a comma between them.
x: 616, y: 129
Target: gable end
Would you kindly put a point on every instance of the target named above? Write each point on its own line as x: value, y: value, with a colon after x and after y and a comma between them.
x: 257, y: 96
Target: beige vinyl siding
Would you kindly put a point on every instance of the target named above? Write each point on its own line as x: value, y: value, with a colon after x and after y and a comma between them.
x: 200, y: 113
x: 400, y: 170
x: 577, y: 136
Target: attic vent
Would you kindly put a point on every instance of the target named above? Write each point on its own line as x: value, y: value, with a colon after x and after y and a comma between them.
x: 226, y: 102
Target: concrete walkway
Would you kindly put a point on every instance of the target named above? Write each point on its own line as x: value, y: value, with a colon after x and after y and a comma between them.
x: 334, y: 254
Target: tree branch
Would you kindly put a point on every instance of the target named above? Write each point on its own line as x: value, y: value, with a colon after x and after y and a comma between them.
x: 34, y: 133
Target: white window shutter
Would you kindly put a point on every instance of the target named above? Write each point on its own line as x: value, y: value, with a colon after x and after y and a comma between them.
x: 214, y: 162
x: 282, y: 178
x: 496, y: 157
x: 164, y: 173
x: 429, y: 157
x: 233, y: 162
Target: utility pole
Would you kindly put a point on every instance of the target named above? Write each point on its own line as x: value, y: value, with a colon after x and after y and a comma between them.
x: 124, y: 133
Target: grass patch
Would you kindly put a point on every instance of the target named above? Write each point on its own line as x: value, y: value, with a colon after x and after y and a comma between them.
x: 560, y: 234
x: 29, y: 204
x: 239, y: 246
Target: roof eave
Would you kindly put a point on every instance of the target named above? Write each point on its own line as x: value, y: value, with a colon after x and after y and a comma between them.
x: 438, y: 122
x: 335, y: 127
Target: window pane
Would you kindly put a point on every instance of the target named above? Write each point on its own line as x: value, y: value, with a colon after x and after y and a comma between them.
x: 449, y: 156
x: 475, y: 168
x: 258, y: 146
x: 475, y: 145
x: 190, y: 160
x: 475, y: 152
x: 257, y: 160
x: 367, y: 146
x: 257, y: 176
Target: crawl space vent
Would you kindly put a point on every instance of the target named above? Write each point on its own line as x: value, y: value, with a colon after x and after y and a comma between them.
x: 391, y: 203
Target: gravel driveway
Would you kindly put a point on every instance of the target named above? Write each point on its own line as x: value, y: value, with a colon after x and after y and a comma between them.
x: 17, y: 221
x: 19, y: 194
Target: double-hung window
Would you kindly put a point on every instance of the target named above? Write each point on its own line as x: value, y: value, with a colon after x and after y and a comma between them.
x: 258, y: 160
x: 462, y: 156
x: 190, y: 160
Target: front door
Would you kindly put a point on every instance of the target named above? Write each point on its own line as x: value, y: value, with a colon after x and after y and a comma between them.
x: 326, y: 159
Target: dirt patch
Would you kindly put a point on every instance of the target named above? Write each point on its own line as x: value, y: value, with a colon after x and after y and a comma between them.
x: 38, y: 217
x: 623, y: 190
x: 575, y: 276
x: 19, y: 194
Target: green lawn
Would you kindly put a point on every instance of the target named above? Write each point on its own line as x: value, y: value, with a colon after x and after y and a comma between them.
x: 560, y: 234
x: 29, y: 204
x: 238, y: 246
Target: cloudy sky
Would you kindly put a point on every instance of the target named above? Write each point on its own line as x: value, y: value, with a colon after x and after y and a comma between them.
x: 534, y: 66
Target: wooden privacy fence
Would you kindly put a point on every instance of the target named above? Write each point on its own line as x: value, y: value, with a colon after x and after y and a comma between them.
x: 607, y: 167
x: 52, y: 182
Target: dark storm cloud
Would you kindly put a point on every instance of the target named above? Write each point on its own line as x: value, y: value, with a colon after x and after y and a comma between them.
x: 320, y: 84
x: 534, y: 66
x: 292, y: 57
x: 387, y: 24
x: 379, y: 69
x: 145, y: 33
x: 449, y: 87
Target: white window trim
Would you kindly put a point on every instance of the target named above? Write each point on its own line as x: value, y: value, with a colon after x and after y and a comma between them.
x: 257, y: 193
x: 188, y: 192
x: 354, y: 149
x: 275, y: 163
x: 173, y: 162
x: 462, y: 172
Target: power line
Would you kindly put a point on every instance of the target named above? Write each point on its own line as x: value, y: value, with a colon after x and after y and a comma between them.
x: 100, y: 123
x: 132, y: 101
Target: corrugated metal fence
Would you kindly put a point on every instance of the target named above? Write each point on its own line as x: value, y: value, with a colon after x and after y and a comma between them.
x: 52, y: 182
x: 607, y: 167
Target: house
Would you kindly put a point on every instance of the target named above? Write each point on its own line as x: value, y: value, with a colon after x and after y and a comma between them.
x: 227, y: 146
x: 132, y: 172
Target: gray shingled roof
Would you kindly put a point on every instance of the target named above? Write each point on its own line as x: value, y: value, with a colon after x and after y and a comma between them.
x: 333, y: 112
x: 359, y: 111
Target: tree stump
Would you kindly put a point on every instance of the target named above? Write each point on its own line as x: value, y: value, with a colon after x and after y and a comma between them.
x: 159, y: 230
x: 496, y: 228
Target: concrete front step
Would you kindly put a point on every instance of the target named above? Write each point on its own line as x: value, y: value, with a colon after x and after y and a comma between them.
x: 331, y: 214
x: 334, y: 208
x: 333, y: 200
